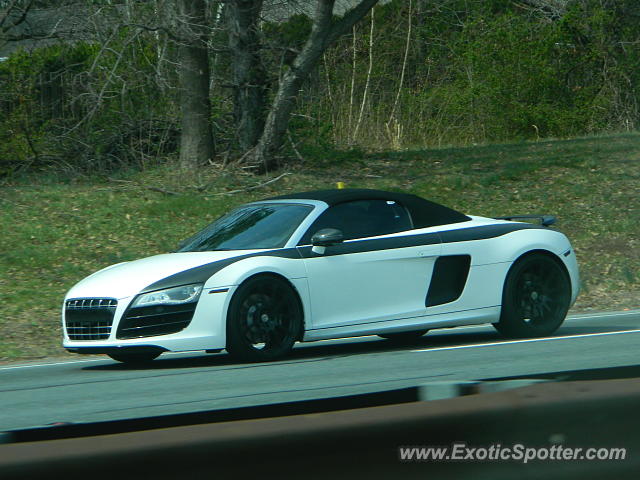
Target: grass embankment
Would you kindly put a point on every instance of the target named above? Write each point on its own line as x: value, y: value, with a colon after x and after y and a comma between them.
x: 55, y: 233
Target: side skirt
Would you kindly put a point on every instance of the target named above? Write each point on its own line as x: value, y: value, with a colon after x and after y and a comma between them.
x: 453, y: 319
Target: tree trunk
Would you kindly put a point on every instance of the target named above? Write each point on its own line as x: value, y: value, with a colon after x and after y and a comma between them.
x: 324, y: 32
x: 196, y: 139
x: 249, y: 77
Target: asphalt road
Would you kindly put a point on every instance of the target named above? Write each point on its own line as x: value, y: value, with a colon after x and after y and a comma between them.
x: 86, y: 390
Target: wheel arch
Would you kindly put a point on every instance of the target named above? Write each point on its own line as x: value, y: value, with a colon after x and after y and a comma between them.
x: 294, y: 289
x: 550, y: 243
x: 539, y: 251
x: 547, y: 253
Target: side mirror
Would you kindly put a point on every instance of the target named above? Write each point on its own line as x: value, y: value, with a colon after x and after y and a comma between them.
x: 326, y: 238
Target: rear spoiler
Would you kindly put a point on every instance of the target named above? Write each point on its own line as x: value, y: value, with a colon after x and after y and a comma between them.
x: 545, y: 220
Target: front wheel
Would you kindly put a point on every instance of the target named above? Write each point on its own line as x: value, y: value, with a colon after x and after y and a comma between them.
x: 536, y: 297
x: 265, y: 319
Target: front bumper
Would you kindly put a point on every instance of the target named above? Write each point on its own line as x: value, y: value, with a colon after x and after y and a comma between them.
x: 205, y: 331
x: 114, y: 350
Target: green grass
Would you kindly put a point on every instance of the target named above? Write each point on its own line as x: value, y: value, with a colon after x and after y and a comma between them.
x: 56, y: 232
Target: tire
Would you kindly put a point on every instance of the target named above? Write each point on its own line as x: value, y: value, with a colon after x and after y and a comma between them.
x: 535, y: 298
x: 134, y: 358
x: 264, y: 319
x: 403, y: 336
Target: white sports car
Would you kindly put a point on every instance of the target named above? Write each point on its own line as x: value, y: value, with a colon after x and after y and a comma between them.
x: 326, y: 264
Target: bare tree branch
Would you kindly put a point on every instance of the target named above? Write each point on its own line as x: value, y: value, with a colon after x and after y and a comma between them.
x: 7, y: 22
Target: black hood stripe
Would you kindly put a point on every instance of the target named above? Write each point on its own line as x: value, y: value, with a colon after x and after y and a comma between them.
x: 202, y: 273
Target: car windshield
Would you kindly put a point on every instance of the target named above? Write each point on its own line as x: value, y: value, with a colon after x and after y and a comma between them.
x: 264, y: 225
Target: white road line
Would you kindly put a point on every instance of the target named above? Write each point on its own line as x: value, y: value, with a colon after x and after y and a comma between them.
x: 50, y: 364
x: 74, y: 362
x: 599, y: 315
x: 528, y: 340
x: 444, y: 330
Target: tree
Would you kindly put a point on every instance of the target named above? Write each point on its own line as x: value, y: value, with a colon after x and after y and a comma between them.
x: 324, y: 31
x: 196, y: 139
x: 16, y: 25
x: 13, y: 14
x: 248, y: 74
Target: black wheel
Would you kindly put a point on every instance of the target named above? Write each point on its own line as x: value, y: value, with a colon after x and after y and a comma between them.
x: 403, y: 336
x: 134, y: 358
x: 536, y: 297
x: 265, y: 319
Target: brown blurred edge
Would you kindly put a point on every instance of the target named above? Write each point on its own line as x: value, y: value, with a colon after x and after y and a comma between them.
x: 361, y: 441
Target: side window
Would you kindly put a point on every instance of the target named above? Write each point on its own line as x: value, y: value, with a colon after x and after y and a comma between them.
x: 362, y: 218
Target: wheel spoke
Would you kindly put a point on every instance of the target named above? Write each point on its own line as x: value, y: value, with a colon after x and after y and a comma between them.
x: 276, y: 306
x: 274, y: 339
x: 267, y: 318
x: 536, y: 297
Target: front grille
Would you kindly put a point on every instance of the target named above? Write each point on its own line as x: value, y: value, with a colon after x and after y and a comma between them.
x: 138, y: 322
x: 89, y: 318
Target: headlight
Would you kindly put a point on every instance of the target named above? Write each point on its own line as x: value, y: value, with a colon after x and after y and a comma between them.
x: 169, y: 296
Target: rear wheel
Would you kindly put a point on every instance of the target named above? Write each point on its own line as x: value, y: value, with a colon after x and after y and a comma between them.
x: 265, y: 319
x: 134, y: 358
x: 403, y: 336
x: 536, y: 297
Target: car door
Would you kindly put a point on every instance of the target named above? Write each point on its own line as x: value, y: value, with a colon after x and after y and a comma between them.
x: 380, y: 272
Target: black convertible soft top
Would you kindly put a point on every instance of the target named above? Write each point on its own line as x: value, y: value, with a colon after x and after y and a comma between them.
x: 423, y: 212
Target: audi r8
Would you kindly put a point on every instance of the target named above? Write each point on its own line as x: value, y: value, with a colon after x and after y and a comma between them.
x: 326, y: 264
